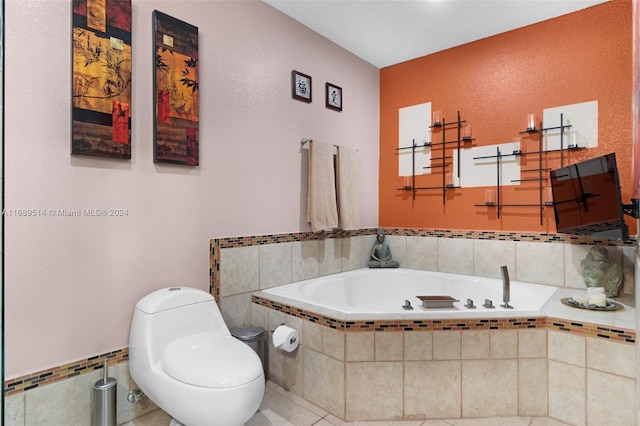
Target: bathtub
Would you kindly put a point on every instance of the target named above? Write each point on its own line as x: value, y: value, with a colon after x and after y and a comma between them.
x: 381, y: 293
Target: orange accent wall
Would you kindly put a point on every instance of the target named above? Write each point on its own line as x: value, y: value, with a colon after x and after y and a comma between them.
x: 494, y: 83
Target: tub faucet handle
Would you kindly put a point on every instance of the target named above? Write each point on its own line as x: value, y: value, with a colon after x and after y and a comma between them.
x: 470, y: 304
x: 407, y: 306
x: 506, y: 287
x: 488, y: 303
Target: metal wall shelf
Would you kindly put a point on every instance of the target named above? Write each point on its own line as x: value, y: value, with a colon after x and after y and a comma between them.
x: 540, y: 178
x: 459, y: 141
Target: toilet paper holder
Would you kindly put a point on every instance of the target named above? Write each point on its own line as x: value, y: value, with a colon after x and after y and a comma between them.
x: 292, y: 340
x: 288, y: 338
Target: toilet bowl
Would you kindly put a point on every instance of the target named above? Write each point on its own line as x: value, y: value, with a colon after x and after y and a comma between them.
x: 183, y: 357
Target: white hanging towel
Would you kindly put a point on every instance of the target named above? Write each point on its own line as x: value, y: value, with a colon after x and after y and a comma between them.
x: 322, y: 208
x: 349, y: 207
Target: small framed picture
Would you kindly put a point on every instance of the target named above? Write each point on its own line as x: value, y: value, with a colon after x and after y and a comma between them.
x: 334, y: 97
x: 300, y: 86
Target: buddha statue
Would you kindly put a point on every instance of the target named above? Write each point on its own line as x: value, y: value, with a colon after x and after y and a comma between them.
x: 381, y: 254
x: 599, y: 271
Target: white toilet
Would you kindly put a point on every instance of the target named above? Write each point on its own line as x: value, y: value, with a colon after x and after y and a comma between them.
x: 183, y: 357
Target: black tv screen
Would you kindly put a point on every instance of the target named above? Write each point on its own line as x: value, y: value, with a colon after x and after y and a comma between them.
x: 587, y: 199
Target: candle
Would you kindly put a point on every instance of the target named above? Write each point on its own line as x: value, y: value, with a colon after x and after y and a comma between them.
x: 466, y: 132
x: 437, y: 118
x: 581, y: 298
x: 449, y: 179
x: 548, y: 196
x: 490, y: 196
x: 531, y: 122
x: 598, y: 300
x: 407, y: 182
x: 517, y: 142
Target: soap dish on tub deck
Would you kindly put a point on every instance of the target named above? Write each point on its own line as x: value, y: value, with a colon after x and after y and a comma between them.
x: 434, y: 302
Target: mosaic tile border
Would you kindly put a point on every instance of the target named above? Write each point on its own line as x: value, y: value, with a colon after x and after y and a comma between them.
x: 572, y: 327
x: 231, y: 242
x: 67, y: 371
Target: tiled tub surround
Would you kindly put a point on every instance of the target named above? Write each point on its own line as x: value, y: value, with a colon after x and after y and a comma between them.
x: 63, y: 393
x: 570, y: 369
x: 386, y: 370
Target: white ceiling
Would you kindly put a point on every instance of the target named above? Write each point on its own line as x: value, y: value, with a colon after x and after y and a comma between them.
x: 387, y: 32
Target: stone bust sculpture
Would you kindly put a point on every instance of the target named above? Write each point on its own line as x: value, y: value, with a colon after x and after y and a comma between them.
x: 381, y: 254
x: 599, y: 271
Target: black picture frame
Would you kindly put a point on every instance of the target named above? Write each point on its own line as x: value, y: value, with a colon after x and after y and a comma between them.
x: 301, y: 86
x: 333, y: 97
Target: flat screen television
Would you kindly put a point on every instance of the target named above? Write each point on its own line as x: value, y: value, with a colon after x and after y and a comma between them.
x: 587, y: 200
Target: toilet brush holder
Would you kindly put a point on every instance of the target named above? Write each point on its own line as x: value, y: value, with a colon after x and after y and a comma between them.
x: 104, y: 411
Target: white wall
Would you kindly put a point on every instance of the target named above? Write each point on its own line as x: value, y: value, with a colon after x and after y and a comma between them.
x: 71, y: 282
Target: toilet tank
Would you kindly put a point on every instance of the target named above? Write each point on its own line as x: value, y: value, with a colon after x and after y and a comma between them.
x: 170, y: 314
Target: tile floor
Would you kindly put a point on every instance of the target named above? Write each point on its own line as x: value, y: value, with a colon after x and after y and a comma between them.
x: 282, y: 408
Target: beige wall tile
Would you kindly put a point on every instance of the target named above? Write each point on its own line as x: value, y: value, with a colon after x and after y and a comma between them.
x: 275, y: 319
x: 475, y: 344
x: 398, y: 247
x: 490, y: 255
x: 432, y: 389
x: 418, y: 346
x: 360, y: 346
x: 455, y: 256
x: 628, y: 267
x: 63, y: 403
x: 260, y: 316
x: 275, y: 264
x: 566, y: 347
x: 304, y: 260
x: 567, y: 384
x: 374, y: 390
x: 312, y: 335
x: 329, y: 256
x: 14, y: 410
x: 446, y: 345
x: 422, y: 253
x: 333, y: 343
x: 611, y: 357
x: 287, y: 369
x: 541, y: 263
x: 324, y: 382
x: 389, y: 346
x: 352, y: 248
x: 532, y: 343
x: 239, y: 268
x: 489, y: 388
x: 236, y: 310
x: 533, y: 394
x: 503, y: 344
x: 610, y: 399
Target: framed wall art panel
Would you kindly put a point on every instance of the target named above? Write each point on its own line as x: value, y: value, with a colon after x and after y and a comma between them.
x: 175, y: 130
x: 333, y: 97
x: 300, y: 86
x: 101, y: 86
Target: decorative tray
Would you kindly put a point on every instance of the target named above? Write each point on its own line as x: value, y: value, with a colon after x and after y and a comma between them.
x: 437, y: 301
x: 611, y: 305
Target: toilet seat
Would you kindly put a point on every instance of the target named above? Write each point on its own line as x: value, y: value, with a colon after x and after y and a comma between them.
x: 211, y: 361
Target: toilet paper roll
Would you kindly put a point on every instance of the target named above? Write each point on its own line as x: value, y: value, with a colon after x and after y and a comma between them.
x: 286, y: 338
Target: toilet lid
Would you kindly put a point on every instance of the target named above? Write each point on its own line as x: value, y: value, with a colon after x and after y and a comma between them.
x: 211, y: 361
